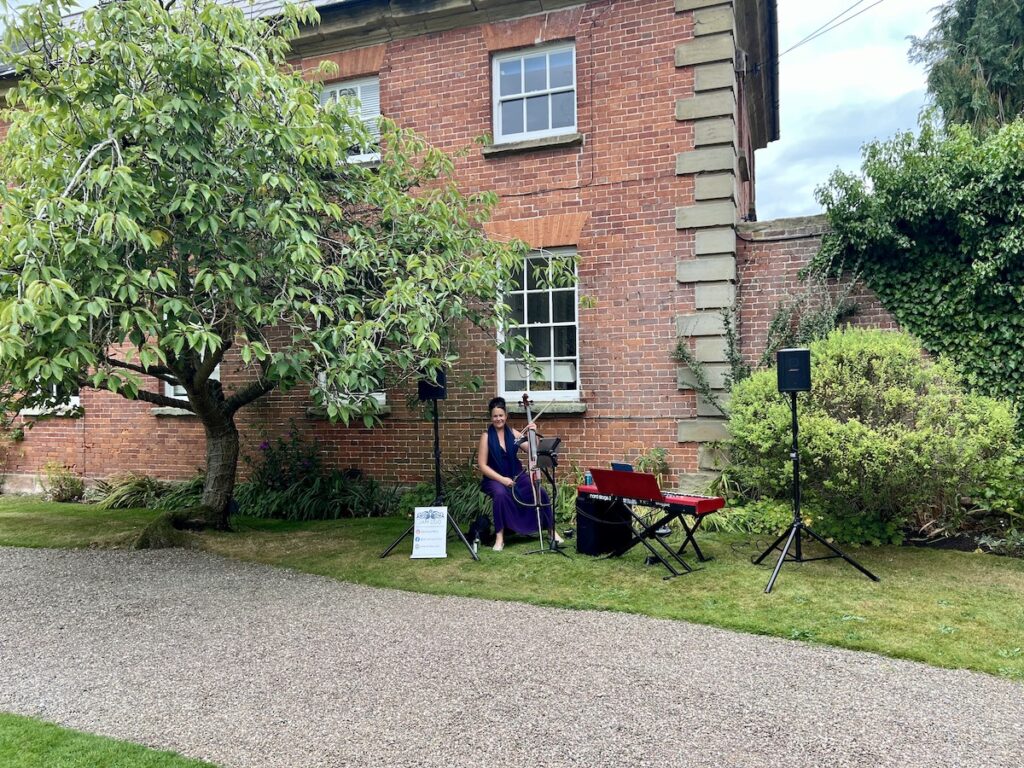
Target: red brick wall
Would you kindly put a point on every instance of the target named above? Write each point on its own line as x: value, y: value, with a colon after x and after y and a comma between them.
x: 623, y: 176
x: 769, y: 258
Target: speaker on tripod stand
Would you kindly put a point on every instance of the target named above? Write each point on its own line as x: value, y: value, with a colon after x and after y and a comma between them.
x: 432, y: 390
x: 794, y: 375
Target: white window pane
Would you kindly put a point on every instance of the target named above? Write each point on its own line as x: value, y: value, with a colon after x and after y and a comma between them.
x: 517, y: 278
x: 537, y: 308
x: 515, y: 375
x: 565, y: 341
x: 510, y: 77
x: 512, y: 117
x: 535, y: 73
x: 540, y: 341
x: 565, y: 374
x: 516, y: 303
x: 563, y: 109
x: 561, y: 69
x: 536, y: 274
x: 537, y: 113
x: 542, y: 377
x: 564, y: 304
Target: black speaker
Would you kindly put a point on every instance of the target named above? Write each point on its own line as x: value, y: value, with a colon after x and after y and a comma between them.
x: 794, y: 368
x: 434, y: 390
x: 601, y: 526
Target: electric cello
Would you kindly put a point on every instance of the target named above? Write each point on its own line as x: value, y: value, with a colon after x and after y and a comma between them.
x: 532, y: 466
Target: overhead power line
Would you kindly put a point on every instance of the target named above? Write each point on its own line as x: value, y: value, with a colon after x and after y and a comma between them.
x: 828, y: 26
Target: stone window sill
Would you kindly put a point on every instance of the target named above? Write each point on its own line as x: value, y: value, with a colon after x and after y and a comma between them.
x: 73, y: 412
x: 164, y: 410
x: 531, y: 145
x: 551, y: 408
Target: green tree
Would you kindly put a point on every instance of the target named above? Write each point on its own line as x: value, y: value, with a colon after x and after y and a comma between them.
x: 975, y: 60
x: 174, y: 191
x: 935, y: 226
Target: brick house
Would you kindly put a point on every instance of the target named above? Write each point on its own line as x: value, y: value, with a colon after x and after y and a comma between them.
x: 623, y: 131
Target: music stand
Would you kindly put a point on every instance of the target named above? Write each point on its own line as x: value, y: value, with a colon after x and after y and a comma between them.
x: 547, y: 461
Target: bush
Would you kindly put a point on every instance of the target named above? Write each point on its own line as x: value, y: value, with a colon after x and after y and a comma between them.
x: 60, y: 483
x: 887, y: 437
x: 757, y: 517
x: 183, y: 495
x: 128, y: 491
x: 288, y: 482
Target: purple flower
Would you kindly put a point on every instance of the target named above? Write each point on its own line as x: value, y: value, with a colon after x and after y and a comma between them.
x: 265, y: 446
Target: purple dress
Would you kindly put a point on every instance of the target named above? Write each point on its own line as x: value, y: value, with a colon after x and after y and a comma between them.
x: 509, y: 513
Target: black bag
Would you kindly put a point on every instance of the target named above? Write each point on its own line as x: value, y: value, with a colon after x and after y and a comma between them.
x: 481, y: 529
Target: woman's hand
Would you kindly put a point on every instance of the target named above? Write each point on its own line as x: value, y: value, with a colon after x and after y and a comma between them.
x: 508, y: 482
x: 531, y: 426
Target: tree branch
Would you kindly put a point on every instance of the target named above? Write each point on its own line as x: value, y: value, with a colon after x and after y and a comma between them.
x: 243, y: 397
x: 165, y: 375
x: 167, y: 402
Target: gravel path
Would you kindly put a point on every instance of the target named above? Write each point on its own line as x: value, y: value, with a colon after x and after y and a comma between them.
x: 244, y: 665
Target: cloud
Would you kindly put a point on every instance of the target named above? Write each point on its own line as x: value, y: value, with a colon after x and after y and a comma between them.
x: 787, y: 173
x: 837, y: 92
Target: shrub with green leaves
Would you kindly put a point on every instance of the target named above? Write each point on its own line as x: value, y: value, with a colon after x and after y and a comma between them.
x: 887, y: 437
x: 60, y: 483
x: 287, y: 481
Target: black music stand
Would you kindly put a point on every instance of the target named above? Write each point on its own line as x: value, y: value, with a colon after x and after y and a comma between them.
x: 547, y: 461
x: 434, y: 392
x: 794, y: 372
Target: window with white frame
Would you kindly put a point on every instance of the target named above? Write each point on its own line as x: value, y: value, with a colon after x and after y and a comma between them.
x: 546, y: 315
x: 363, y: 96
x: 56, y: 393
x: 178, y: 391
x: 534, y: 93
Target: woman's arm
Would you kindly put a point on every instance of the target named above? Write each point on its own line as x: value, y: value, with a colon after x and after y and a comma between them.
x: 519, y: 435
x: 481, y: 462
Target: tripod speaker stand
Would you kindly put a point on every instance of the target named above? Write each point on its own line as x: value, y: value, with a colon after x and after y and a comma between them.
x: 434, y: 391
x: 794, y: 371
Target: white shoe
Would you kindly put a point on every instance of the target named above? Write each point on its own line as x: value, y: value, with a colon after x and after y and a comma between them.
x: 499, y: 547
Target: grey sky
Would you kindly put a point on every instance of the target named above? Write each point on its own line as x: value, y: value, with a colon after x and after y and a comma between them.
x: 845, y: 88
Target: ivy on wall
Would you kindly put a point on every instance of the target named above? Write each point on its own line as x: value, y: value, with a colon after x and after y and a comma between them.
x: 935, y: 226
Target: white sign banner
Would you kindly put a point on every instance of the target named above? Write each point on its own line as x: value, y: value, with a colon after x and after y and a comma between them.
x: 430, y: 533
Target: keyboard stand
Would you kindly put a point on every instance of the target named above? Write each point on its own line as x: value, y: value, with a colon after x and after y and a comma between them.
x: 690, y: 540
x: 643, y: 533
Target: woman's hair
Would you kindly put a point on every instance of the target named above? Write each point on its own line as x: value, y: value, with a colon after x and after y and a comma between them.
x: 497, y: 402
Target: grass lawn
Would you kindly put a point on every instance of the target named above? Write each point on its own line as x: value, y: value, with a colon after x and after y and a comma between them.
x: 949, y: 609
x: 28, y: 743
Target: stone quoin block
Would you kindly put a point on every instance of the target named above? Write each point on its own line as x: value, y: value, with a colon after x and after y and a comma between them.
x: 700, y: 324
x: 713, y: 77
x: 715, y: 373
x: 702, y: 430
x: 713, y: 20
x: 702, y: 160
x: 713, y: 186
x: 706, y: 215
x: 709, y: 269
x: 713, y: 104
x: 721, y: 130
x: 708, y: 242
x: 714, y: 295
x: 710, y: 349
x: 703, y: 50
x: 692, y: 5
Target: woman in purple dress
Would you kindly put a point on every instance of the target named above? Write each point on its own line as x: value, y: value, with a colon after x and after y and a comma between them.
x: 504, y: 480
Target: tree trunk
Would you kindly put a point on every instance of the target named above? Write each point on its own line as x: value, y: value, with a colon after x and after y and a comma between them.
x: 221, y: 465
